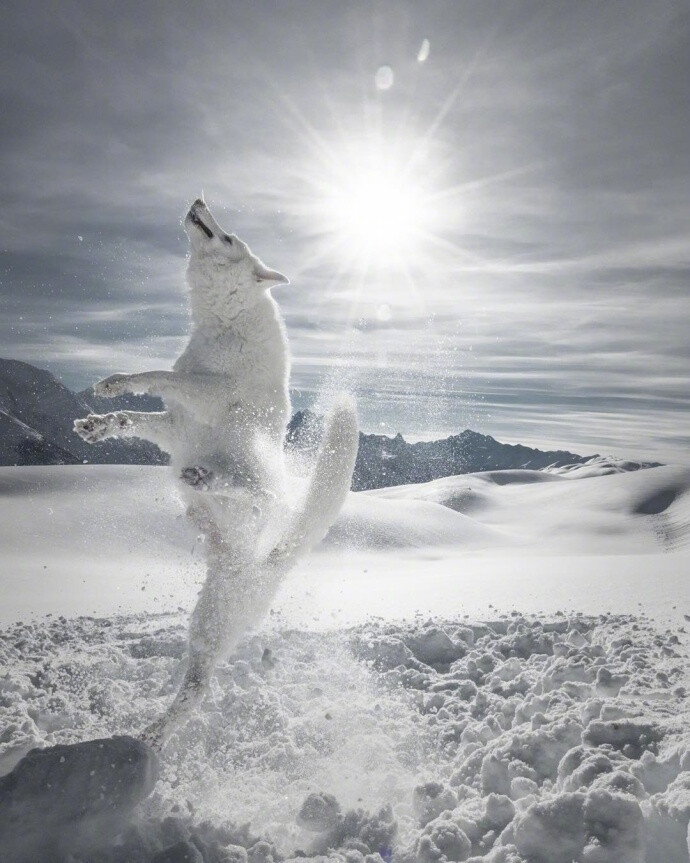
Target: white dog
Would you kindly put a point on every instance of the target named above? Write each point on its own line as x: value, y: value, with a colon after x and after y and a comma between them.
x: 227, y: 405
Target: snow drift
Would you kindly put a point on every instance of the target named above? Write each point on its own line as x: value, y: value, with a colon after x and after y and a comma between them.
x: 512, y: 741
x: 499, y: 736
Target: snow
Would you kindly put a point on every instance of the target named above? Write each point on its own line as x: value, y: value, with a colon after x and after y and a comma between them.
x: 455, y: 740
x: 486, y: 667
x: 79, y: 539
x: 505, y: 539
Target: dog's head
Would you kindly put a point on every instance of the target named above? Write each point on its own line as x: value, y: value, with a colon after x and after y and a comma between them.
x: 224, y: 275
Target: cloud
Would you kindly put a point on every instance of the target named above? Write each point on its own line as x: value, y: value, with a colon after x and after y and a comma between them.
x: 552, y: 299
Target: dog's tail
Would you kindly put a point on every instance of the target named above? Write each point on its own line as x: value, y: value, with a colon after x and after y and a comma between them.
x: 328, y: 485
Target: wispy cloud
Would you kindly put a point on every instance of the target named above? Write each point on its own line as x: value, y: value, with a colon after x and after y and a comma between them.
x: 549, y: 303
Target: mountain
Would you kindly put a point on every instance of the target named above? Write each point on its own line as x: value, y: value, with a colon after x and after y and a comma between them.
x: 39, y: 413
x: 388, y: 461
x: 22, y: 445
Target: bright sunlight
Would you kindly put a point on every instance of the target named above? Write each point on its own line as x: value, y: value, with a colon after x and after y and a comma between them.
x: 379, y: 211
x: 370, y: 204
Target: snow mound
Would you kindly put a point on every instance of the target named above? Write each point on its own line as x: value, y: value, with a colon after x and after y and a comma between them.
x: 573, y: 512
x: 367, y: 522
x: 517, y: 740
x: 598, y: 465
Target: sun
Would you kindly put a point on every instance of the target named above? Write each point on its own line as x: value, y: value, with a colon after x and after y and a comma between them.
x: 368, y: 206
x: 378, y: 212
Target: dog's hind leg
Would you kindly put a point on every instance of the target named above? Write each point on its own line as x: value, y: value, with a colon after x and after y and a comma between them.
x: 224, y: 610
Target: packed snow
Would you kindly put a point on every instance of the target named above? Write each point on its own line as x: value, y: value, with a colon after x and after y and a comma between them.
x: 485, y: 667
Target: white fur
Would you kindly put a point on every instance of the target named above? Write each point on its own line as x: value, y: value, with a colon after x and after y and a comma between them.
x: 227, y: 405
x: 227, y: 396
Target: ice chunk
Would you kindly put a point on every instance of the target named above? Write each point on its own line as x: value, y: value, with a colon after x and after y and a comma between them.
x: 181, y: 852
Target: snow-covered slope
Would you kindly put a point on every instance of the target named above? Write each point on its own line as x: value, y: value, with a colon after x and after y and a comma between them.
x: 83, y: 538
x: 598, y: 465
x: 577, y: 512
x: 541, y: 735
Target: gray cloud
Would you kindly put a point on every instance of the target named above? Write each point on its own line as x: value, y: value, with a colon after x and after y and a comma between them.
x: 551, y: 306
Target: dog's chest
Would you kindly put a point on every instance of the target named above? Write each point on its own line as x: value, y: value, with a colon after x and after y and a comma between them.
x: 256, y: 365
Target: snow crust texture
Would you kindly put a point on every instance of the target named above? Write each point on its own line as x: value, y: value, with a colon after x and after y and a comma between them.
x: 514, y: 741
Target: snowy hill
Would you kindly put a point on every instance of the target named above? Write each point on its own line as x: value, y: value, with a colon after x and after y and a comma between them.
x: 575, y: 513
x: 599, y: 465
x: 53, y: 519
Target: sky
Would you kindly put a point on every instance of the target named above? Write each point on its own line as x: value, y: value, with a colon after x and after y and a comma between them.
x: 483, y: 207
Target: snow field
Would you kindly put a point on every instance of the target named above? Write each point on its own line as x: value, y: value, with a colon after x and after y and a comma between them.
x: 101, y: 539
x: 518, y: 740
x: 541, y: 737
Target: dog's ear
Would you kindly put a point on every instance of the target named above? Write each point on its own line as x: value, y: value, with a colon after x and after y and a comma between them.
x: 266, y: 277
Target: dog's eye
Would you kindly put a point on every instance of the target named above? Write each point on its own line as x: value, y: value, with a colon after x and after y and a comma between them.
x: 227, y: 239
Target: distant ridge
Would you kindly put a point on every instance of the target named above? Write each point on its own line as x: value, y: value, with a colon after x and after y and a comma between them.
x: 386, y: 461
x: 25, y: 445
x: 37, y: 413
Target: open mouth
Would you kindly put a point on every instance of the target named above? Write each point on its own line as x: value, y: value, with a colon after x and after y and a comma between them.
x: 197, y: 221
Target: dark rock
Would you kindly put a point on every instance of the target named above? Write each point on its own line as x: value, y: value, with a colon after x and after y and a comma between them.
x: 181, y: 852
x: 72, y: 797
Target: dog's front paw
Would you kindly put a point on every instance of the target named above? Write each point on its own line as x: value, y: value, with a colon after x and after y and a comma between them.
x: 92, y: 428
x: 115, y: 385
x: 97, y: 427
x: 197, y: 477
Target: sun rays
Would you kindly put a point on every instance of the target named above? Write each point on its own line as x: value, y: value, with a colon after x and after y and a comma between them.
x: 368, y: 204
x: 387, y: 200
